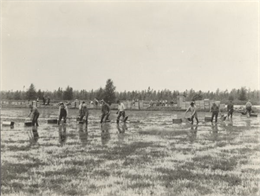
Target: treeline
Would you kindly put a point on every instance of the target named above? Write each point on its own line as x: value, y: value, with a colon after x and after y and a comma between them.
x: 109, y: 94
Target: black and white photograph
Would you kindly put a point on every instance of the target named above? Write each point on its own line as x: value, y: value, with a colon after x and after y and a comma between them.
x: 130, y: 98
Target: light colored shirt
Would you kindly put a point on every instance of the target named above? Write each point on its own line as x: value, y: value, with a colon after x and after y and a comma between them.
x: 193, y: 110
x: 34, y: 110
x: 121, y: 107
x: 84, y: 110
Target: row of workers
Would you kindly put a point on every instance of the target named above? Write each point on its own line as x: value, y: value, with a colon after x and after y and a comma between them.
x: 215, y: 111
x: 83, y: 112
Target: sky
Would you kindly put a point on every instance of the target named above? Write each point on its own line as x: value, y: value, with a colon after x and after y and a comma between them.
x: 161, y: 45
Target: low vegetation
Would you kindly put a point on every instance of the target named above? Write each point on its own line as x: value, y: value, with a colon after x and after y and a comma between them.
x: 143, y: 160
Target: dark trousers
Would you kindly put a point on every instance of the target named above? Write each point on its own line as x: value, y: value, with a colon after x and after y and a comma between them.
x: 214, y: 114
x: 249, y: 111
x: 81, y: 118
x: 194, y: 116
x: 119, y: 115
x: 35, y: 119
x: 103, y: 116
x: 230, y: 114
x: 64, y: 116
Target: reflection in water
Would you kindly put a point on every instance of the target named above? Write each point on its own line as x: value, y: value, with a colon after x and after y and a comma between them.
x: 62, y: 134
x: 248, y: 124
x: 230, y: 123
x: 121, y: 132
x: 214, y: 132
x: 83, y: 134
x: 105, y: 135
x: 192, y: 134
x: 33, y: 136
x: 121, y: 129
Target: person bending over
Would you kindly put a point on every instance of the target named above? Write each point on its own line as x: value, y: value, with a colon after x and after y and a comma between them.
x: 193, y: 111
x: 35, y: 115
x: 83, y: 112
x: 105, y: 109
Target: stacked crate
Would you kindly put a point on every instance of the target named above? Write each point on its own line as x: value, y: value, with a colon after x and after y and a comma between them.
x: 140, y: 105
x: 187, y: 104
x: 211, y: 103
x: 222, y: 107
x: 218, y: 103
x: 206, y: 104
x: 202, y: 105
x: 182, y: 105
x: 180, y: 101
x: 197, y: 104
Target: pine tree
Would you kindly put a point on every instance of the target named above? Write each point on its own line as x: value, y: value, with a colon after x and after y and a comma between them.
x: 242, y: 94
x: 31, y: 93
x: 109, y: 93
x: 68, y: 94
x: 17, y: 95
x: 100, y: 94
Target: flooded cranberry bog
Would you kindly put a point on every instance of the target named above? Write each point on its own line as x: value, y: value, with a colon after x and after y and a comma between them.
x: 149, y: 155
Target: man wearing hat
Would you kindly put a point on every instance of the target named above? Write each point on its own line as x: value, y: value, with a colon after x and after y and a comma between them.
x: 248, y: 108
x: 121, y: 112
x: 35, y: 114
x: 193, y: 111
x: 63, y: 112
x: 105, y: 109
x: 215, y: 111
x: 83, y: 112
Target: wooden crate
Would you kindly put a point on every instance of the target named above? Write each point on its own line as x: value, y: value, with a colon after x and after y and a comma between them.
x: 182, y: 105
x: 207, y: 118
x: 52, y: 121
x: 197, y: 104
x: 207, y: 105
x: 7, y: 123
x: 202, y: 105
x: 177, y: 120
x: 28, y: 123
x: 253, y: 115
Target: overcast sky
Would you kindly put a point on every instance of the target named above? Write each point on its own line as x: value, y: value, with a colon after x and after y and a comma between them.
x: 164, y: 45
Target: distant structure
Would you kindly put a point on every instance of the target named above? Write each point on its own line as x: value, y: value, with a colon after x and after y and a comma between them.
x: 180, y: 100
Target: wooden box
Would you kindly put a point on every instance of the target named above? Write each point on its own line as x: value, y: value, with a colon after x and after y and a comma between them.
x: 177, y: 120
x: 253, y: 115
x: 28, y: 123
x: 207, y: 118
x: 52, y: 121
x: 7, y: 123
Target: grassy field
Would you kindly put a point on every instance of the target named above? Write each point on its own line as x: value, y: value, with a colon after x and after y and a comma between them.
x: 150, y: 156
